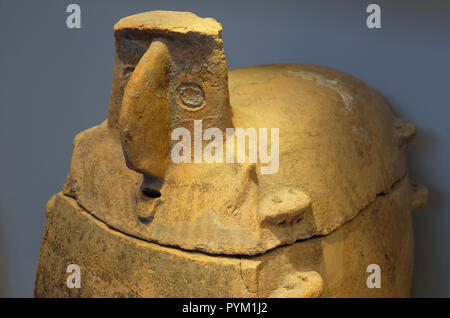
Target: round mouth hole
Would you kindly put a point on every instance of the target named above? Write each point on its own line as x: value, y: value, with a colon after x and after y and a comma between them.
x: 151, y: 193
x: 145, y: 220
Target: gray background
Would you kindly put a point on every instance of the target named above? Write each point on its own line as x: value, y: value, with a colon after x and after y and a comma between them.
x: 56, y: 82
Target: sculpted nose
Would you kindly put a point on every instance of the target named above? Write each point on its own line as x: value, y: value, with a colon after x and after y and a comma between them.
x: 144, y: 113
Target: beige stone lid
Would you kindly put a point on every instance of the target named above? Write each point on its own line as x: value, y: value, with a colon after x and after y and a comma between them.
x: 340, y: 146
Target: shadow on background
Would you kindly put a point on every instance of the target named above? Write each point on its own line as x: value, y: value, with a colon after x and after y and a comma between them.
x: 3, y: 261
x: 431, y: 233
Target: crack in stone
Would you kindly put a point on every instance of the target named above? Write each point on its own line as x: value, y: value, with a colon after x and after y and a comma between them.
x: 235, y: 256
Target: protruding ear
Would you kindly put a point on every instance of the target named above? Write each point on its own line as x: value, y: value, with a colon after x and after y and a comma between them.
x: 404, y: 132
x: 286, y: 207
x: 418, y: 196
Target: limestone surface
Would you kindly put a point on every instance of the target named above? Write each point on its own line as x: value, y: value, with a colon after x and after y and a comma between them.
x: 135, y: 219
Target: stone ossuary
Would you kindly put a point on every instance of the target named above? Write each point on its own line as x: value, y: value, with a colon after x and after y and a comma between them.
x: 141, y: 225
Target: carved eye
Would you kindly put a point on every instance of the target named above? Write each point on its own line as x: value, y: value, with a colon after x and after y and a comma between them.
x: 191, y: 95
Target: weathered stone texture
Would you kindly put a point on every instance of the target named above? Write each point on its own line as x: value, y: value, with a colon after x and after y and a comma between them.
x: 141, y: 225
